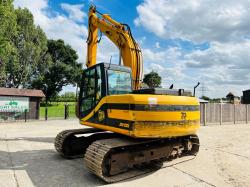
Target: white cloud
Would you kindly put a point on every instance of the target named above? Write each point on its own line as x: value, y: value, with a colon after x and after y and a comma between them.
x: 168, y: 63
x: 157, y: 45
x: 222, y: 67
x: 107, y: 51
x: 224, y: 24
x: 196, y: 20
x: 225, y: 65
x: 164, y: 56
x: 37, y: 9
x: 75, y: 11
x: 69, y: 27
x: 141, y: 40
x: 231, y: 55
x: 59, y: 26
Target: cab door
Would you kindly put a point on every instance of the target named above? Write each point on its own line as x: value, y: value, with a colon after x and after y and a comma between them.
x: 92, y: 91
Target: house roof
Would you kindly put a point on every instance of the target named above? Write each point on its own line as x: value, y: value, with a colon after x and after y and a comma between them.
x: 21, y: 92
x: 203, y: 101
x: 230, y: 94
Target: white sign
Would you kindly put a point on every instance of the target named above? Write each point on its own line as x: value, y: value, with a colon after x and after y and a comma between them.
x: 152, y: 100
x: 14, y: 104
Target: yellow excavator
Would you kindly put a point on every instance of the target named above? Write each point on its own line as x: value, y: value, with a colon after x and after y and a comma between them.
x: 132, y: 130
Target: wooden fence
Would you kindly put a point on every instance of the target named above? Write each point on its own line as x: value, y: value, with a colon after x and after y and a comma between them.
x: 224, y: 113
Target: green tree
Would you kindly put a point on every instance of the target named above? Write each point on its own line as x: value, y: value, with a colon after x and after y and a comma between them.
x: 68, y: 97
x: 205, y: 98
x: 152, y: 79
x: 31, y: 46
x: 64, y: 69
x: 7, y: 33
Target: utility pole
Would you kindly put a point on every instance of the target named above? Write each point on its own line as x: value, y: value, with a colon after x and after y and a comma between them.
x: 203, y: 89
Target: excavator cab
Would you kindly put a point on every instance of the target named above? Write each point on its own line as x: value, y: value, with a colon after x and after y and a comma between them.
x: 101, y: 80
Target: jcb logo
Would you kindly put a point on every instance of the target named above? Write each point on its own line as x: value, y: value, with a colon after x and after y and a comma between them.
x: 101, y: 115
x: 183, y: 116
x: 124, y: 125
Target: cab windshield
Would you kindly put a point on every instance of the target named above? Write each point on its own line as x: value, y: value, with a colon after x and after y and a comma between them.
x: 119, y: 82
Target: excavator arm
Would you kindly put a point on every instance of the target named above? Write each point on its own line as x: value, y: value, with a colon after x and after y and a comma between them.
x: 121, y: 36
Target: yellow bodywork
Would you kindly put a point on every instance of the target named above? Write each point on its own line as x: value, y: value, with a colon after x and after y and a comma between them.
x: 149, y: 123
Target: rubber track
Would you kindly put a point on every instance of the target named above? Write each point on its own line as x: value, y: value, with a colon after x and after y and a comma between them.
x: 97, y: 151
x: 95, y: 156
x: 60, y: 138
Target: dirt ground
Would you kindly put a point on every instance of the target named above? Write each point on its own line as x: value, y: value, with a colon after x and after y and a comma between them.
x: 28, y: 158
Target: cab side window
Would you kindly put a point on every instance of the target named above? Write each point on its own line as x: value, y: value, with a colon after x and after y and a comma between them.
x: 98, y: 84
x: 88, y: 90
x: 92, y: 89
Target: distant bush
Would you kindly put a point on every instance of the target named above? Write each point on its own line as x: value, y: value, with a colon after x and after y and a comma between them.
x: 44, y: 104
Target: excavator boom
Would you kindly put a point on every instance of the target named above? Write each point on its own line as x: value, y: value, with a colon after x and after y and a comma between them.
x: 121, y: 36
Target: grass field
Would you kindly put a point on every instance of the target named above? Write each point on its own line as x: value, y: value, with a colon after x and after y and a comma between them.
x: 56, y: 110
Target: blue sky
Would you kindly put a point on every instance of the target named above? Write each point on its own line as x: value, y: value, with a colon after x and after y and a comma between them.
x: 184, y: 41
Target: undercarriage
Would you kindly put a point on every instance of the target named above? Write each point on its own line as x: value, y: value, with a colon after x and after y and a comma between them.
x: 114, y: 157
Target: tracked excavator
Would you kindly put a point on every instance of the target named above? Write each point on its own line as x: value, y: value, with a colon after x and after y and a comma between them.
x: 131, y: 130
